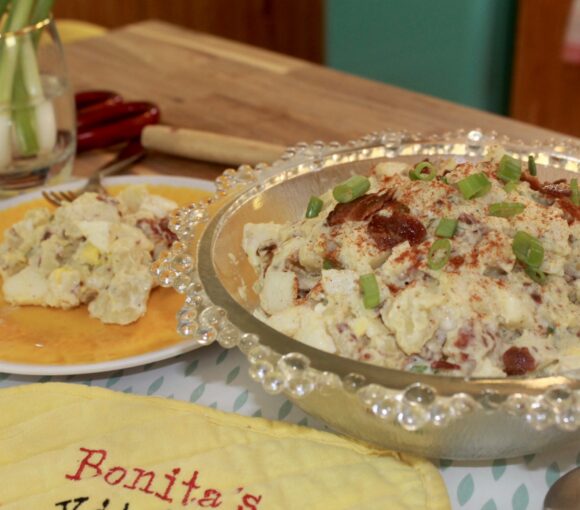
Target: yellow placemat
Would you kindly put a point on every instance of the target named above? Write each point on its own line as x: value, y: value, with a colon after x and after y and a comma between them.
x: 74, y: 447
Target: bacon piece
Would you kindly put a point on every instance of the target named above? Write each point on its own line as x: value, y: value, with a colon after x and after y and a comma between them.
x: 464, y: 337
x: 572, y: 211
x: 466, y: 218
x: 518, y: 361
x: 158, y: 229
x: 534, y: 182
x: 559, y: 188
x: 362, y: 208
x: 456, y: 261
x: 556, y: 189
x: 444, y: 365
x: 388, y: 231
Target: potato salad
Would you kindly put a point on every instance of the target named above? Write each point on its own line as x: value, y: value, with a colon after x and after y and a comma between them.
x: 467, y: 269
x: 96, y: 250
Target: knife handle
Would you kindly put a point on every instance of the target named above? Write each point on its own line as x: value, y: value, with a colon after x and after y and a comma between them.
x: 205, y: 146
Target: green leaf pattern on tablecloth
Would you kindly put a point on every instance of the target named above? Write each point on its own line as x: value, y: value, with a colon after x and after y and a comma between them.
x: 190, y: 369
x: 303, y: 422
x: 213, y: 405
x: 221, y: 358
x: 529, y: 458
x: 257, y: 414
x: 284, y: 410
x: 489, y: 505
x: 445, y: 463
x: 521, y: 498
x: 552, y: 473
x: 197, y: 393
x: 465, y: 489
x: 498, y: 469
x: 114, y: 379
x: 155, y: 386
x: 232, y: 375
x: 241, y: 399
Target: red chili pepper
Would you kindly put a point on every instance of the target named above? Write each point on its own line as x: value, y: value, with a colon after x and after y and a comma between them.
x: 114, y: 124
x: 102, y: 114
x: 91, y: 98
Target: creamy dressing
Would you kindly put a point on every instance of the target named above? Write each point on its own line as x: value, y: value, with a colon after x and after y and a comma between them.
x: 95, y: 250
x: 479, y: 315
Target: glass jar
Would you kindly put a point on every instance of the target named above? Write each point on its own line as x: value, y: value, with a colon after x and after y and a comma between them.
x: 37, y: 115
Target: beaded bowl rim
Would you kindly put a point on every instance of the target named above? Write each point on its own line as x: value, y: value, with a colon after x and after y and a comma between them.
x: 303, y: 155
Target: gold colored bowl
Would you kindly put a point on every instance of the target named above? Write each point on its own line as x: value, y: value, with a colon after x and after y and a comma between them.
x: 430, y: 415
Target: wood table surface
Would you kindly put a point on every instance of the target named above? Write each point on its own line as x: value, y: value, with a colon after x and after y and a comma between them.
x: 207, y: 83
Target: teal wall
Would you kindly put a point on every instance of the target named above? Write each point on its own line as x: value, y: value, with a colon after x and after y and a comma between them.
x: 458, y: 50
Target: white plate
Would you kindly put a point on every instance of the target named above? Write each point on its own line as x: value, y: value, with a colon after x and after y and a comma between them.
x: 121, y: 363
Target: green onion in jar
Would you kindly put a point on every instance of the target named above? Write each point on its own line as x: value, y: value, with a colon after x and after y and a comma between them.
x: 417, y: 173
x: 370, y: 290
x: 446, y: 228
x: 314, y: 207
x: 439, y: 253
x: 351, y: 189
x: 474, y: 186
x: 510, y: 169
x: 506, y: 209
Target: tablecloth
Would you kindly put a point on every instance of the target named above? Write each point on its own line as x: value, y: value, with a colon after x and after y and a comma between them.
x: 218, y: 378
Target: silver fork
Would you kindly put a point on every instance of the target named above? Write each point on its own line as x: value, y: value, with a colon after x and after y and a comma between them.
x: 122, y: 161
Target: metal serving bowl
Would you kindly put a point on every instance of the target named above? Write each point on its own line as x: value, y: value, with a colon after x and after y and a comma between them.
x: 431, y: 415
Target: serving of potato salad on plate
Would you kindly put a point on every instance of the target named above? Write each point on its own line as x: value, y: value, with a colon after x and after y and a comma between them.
x: 96, y: 250
x: 457, y: 268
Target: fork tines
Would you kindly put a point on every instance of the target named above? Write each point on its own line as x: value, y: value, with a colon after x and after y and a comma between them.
x: 59, y: 197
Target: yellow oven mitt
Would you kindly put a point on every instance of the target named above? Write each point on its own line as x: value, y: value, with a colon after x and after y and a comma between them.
x: 71, y: 447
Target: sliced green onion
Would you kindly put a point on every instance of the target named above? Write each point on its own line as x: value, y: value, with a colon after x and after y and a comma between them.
x: 528, y: 249
x: 474, y: 186
x: 370, y: 290
x: 439, y: 254
x: 510, y: 169
x: 536, y: 274
x: 350, y: 189
x: 574, y: 193
x: 314, y: 207
x: 551, y: 330
x: 532, y: 165
x: 446, y: 228
x: 506, y: 209
x: 510, y: 186
x: 327, y: 264
x: 417, y: 173
x: 418, y: 369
